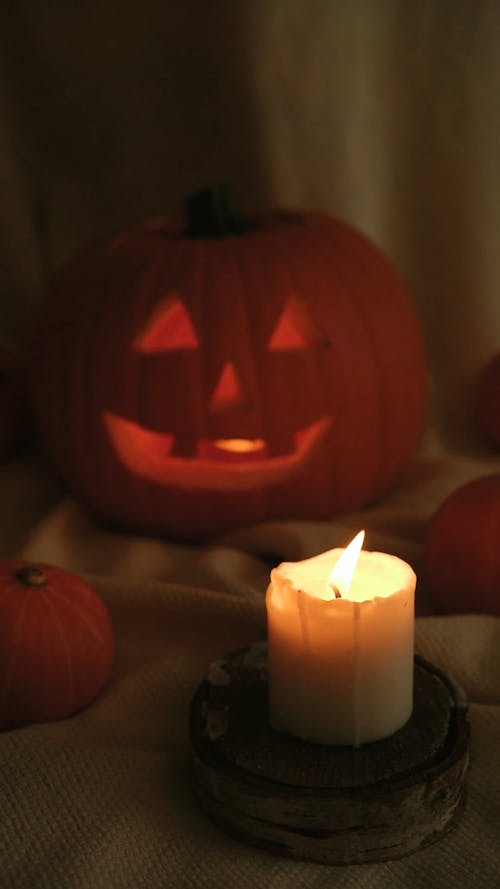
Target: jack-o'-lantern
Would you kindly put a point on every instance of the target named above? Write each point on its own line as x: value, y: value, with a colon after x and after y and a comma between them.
x: 190, y: 380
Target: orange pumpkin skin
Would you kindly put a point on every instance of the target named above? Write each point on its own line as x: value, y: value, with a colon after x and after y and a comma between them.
x: 56, y: 643
x: 461, y: 552
x: 296, y: 341
x: 487, y: 403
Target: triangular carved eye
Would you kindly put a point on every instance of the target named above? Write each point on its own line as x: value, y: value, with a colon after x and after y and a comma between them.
x: 227, y: 392
x: 170, y: 327
x: 294, y: 329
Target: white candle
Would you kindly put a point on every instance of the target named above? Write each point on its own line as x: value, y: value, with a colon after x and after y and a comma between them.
x: 341, y: 650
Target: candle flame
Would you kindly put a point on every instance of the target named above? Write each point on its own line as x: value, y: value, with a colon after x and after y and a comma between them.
x: 341, y: 576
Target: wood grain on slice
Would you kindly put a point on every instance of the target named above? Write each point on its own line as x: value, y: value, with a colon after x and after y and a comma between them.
x: 324, y: 803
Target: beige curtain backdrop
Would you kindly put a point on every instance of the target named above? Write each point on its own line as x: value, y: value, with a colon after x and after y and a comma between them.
x: 384, y: 112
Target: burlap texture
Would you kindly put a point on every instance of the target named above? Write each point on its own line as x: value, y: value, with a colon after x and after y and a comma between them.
x: 105, y: 799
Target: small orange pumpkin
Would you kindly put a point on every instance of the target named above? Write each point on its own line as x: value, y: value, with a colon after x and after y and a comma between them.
x: 56, y: 643
x: 194, y: 377
x: 462, y: 553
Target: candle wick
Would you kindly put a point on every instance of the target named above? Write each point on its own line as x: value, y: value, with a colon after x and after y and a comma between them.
x: 336, y: 591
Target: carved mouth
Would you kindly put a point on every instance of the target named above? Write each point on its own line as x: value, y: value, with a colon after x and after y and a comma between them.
x: 235, y: 463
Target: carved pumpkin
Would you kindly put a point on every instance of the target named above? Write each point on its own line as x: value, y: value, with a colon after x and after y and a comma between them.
x: 461, y: 553
x: 56, y: 643
x: 189, y: 383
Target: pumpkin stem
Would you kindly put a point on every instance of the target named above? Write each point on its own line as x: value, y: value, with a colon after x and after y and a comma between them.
x: 214, y: 213
x: 30, y: 575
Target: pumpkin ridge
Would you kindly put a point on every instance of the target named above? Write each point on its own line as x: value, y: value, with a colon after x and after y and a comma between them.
x: 239, y: 266
x: 69, y: 662
x: 352, y: 292
x: 375, y: 353
x: 289, y: 262
x: 82, y: 614
x: 369, y: 256
x: 295, y: 277
x: 8, y: 583
x: 384, y: 455
x: 344, y: 292
x: 269, y: 259
x: 129, y: 383
x: 98, y: 319
x: 149, y: 289
x: 201, y: 271
x: 16, y: 640
x: 489, y: 532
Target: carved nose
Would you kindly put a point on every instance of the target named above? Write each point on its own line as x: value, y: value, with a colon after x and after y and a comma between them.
x: 228, y: 392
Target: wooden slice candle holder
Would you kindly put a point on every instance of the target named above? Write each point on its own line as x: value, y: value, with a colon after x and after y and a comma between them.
x: 334, y: 805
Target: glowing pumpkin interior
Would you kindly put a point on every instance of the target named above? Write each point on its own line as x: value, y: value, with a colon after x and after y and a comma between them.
x: 221, y: 460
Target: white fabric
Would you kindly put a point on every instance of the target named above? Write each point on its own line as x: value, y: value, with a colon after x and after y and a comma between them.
x: 106, y: 798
